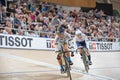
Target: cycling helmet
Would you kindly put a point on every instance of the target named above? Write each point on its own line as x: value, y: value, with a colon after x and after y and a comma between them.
x: 61, y: 29
x: 78, y: 32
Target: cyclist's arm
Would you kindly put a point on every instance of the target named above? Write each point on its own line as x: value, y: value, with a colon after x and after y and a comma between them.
x: 56, y: 40
x: 69, y: 40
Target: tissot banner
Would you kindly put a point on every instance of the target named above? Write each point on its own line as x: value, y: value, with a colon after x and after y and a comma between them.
x: 25, y: 42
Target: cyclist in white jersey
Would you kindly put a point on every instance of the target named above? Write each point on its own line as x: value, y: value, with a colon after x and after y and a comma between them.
x: 80, y: 39
x: 61, y: 39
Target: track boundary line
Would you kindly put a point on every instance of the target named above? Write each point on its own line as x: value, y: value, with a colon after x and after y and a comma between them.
x: 38, y: 71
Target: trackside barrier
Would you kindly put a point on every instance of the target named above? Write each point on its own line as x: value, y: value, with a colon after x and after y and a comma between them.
x: 25, y: 42
x: 103, y: 46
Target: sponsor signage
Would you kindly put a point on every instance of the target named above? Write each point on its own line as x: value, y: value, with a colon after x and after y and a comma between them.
x: 102, y: 46
x: 25, y: 42
x: 15, y: 41
x: 50, y: 43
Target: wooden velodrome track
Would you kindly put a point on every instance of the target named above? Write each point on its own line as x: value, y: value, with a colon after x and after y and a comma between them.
x: 16, y: 64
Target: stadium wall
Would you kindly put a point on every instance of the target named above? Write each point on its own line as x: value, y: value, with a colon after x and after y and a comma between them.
x: 107, y: 8
x: 77, y: 3
x: 25, y: 42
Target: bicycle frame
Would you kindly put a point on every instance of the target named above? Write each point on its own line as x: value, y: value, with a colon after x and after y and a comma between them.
x: 67, y: 65
x: 85, y: 60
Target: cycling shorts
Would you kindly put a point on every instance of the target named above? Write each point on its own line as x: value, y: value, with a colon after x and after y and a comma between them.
x: 81, y: 43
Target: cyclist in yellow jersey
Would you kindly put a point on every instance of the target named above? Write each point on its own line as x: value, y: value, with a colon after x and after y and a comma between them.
x: 61, y: 38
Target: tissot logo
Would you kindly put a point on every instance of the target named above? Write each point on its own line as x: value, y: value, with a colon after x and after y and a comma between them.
x: 15, y: 41
x: 104, y: 46
x: 92, y: 46
x: 50, y: 44
x: 100, y: 46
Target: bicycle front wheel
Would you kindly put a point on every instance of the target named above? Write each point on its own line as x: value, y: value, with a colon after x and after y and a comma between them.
x: 67, y: 68
x: 85, y: 61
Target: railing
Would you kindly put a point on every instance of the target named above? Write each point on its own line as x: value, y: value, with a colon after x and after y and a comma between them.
x: 90, y: 38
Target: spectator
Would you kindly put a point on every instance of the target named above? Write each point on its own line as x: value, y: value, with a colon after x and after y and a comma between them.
x: 10, y: 9
x: 33, y: 16
x: 17, y: 22
x: 32, y: 7
x: 2, y: 13
x: 18, y: 9
x: 40, y: 20
x: 43, y: 35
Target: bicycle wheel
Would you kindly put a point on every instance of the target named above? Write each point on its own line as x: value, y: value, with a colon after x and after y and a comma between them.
x: 67, y: 65
x: 85, y: 61
x: 67, y: 68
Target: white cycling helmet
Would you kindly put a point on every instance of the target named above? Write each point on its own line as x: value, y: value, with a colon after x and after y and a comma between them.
x: 78, y: 32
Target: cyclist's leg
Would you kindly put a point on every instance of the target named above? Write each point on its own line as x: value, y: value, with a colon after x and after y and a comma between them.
x: 60, y: 62
x: 59, y: 56
x: 80, y: 50
x: 83, y: 45
x: 79, y: 46
x: 65, y: 47
x: 88, y: 54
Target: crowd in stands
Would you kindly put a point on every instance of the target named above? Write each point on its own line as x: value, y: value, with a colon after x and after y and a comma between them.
x: 41, y: 20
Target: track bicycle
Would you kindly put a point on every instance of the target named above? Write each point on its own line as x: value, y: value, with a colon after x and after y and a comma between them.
x: 85, y: 59
x: 67, y: 67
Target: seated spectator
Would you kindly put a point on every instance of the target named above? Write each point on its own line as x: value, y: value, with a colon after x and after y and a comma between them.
x: 43, y: 35
x: 33, y: 16
x: 10, y: 9
x: 2, y: 13
x: 7, y: 30
x: 39, y: 20
x: 20, y: 32
x: 32, y: 7
x: 17, y: 22
x: 18, y: 9
x: 1, y: 30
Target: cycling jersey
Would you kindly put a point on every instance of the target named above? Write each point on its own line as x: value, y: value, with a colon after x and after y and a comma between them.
x: 81, y: 41
x: 61, y: 41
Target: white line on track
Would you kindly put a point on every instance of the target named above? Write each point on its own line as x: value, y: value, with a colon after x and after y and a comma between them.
x: 22, y: 72
x: 98, y: 77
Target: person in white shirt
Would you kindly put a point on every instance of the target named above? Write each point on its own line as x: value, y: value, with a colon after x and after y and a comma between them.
x: 80, y: 39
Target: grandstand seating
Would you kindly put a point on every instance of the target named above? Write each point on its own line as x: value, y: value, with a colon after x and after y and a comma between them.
x: 39, y: 20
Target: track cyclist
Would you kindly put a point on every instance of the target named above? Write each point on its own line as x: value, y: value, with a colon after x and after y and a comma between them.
x: 61, y: 38
x: 80, y: 40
